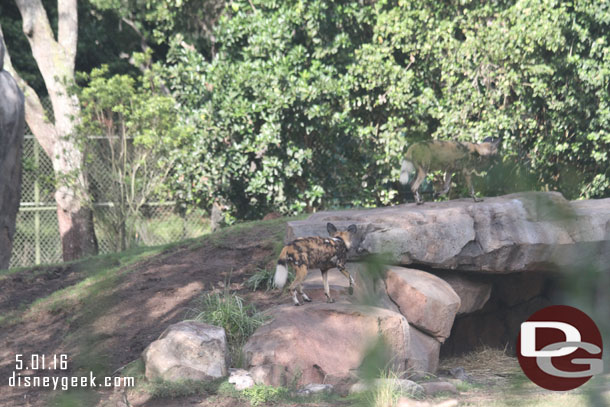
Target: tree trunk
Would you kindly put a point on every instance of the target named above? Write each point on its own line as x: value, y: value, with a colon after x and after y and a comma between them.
x: 12, y: 124
x: 55, y: 59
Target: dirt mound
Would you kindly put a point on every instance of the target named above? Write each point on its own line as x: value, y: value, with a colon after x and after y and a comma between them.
x: 107, y: 320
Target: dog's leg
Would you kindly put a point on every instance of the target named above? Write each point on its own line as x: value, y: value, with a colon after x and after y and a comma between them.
x: 326, y: 287
x: 346, y: 273
x: 447, y: 184
x: 421, y: 175
x: 468, y: 178
x: 305, y: 296
x: 301, y: 273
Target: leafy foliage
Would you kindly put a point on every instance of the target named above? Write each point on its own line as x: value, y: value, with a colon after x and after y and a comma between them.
x: 155, y: 21
x: 134, y: 128
x: 307, y: 104
x: 311, y: 104
x: 261, y: 394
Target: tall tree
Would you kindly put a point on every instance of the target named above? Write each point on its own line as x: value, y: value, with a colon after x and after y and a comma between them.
x: 55, y: 57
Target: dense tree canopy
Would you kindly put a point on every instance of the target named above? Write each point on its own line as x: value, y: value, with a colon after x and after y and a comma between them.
x: 311, y: 104
x: 299, y: 105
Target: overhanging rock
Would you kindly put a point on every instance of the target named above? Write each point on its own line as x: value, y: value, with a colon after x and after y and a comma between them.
x: 533, y: 231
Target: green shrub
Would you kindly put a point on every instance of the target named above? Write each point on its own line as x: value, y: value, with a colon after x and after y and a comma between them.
x: 260, y: 394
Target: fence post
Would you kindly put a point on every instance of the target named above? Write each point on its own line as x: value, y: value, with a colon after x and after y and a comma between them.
x: 37, y: 202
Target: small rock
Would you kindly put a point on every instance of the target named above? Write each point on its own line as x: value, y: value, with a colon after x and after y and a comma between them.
x: 187, y: 350
x: 314, y: 388
x: 459, y: 373
x: 432, y: 388
x: 241, y: 379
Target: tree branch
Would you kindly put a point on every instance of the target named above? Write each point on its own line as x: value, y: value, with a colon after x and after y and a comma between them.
x: 67, y: 27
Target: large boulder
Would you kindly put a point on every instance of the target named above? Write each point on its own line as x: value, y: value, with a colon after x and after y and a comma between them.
x: 187, y: 350
x: 512, y: 233
x: 323, y: 343
x: 12, y: 125
x: 473, y: 292
x: 426, y: 300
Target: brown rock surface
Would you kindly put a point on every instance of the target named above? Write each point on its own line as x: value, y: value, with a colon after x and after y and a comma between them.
x: 322, y: 343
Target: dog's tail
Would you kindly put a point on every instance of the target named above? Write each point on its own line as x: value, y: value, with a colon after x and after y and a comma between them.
x: 281, y: 271
x: 406, y: 169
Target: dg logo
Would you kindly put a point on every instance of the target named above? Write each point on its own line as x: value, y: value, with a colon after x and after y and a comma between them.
x: 560, y: 348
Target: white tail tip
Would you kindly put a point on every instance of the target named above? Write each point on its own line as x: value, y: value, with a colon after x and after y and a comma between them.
x: 406, y: 168
x: 281, y: 275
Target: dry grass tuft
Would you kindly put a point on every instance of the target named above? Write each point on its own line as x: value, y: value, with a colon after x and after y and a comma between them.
x: 485, y: 365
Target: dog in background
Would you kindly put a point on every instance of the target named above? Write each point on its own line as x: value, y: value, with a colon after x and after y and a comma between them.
x: 447, y: 156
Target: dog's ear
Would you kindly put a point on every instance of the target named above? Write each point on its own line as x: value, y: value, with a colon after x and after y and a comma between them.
x: 352, y: 228
x: 331, y: 228
x: 493, y: 140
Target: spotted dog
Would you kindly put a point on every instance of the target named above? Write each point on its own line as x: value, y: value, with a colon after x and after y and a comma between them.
x: 448, y: 156
x: 315, y: 252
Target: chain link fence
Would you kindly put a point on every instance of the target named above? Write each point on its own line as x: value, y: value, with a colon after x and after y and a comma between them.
x: 37, y: 239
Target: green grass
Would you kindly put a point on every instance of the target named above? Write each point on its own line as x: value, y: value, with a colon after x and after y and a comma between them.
x: 260, y: 394
x: 263, y: 279
x: 387, y: 391
x: 229, y: 311
x: 275, y: 226
x: 161, y: 389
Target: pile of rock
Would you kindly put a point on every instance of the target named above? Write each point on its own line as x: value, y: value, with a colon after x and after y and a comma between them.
x: 456, y: 275
x: 474, y: 272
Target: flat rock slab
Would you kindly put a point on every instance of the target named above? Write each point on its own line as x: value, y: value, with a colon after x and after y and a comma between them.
x: 187, y: 350
x: 322, y: 343
x: 426, y: 300
x: 512, y: 233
